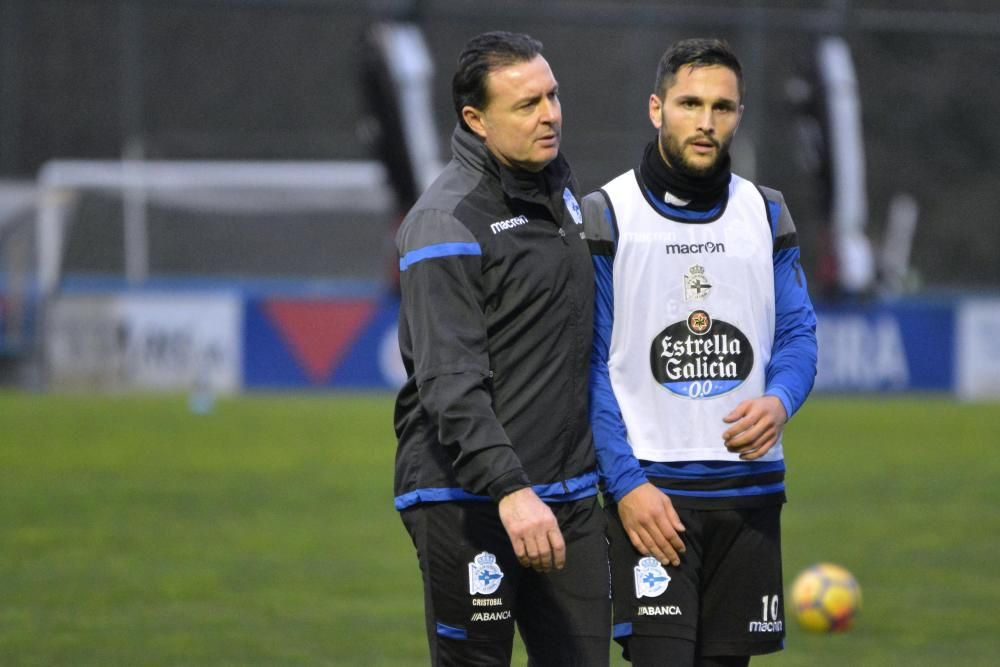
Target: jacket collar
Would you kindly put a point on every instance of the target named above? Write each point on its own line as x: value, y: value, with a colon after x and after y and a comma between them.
x: 542, y: 187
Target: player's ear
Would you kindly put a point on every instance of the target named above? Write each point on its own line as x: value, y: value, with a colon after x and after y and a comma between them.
x: 655, y: 111
x: 739, y: 117
x: 475, y: 119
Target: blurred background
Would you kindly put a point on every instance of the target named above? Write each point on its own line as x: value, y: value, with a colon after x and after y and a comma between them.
x: 198, y: 307
x: 249, y: 160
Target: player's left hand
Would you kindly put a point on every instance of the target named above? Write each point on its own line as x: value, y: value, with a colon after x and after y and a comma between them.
x: 533, y: 530
x: 756, y: 425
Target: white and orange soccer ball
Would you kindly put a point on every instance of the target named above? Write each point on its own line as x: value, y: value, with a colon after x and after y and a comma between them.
x: 827, y: 598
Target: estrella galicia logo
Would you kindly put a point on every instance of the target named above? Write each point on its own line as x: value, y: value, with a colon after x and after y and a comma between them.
x: 484, y: 574
x: 701, y: 357
x: 573, y: 206
x: 650, y: 578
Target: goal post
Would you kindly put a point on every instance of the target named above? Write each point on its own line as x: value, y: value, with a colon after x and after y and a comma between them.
x: 347, y: 193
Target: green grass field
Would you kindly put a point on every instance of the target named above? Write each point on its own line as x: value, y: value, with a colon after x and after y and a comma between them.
x: 133, y: 532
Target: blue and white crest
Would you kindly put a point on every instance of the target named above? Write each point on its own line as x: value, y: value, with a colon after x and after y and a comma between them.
x: 484, y: 574
x: 573, y: 206
x: 650, y: 578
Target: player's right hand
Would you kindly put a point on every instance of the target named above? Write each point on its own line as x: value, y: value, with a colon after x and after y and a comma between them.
x: 533, y: 531
x: 652, y: 523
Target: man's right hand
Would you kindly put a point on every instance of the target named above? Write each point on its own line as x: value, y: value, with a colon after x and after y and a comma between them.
x: 652, y: 523
x: 533, y: 531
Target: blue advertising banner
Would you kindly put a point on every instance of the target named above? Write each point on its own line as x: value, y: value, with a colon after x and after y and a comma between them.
x: 886, y: 347
x: 336, y: 343
x: 321, y: 343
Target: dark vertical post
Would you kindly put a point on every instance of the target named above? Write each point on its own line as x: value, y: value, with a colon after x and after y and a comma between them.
x: 11, y: 28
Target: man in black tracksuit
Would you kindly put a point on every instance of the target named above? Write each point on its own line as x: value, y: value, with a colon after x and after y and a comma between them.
x: 495, y: 470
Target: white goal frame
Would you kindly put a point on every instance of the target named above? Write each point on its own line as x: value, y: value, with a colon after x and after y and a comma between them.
x: 317, y: 186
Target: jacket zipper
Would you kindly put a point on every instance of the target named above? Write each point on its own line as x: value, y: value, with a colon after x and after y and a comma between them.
x: 571, y: 434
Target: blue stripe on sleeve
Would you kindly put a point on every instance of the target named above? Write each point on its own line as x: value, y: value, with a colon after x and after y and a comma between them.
x: 451, y: 632
x: 438, y: 250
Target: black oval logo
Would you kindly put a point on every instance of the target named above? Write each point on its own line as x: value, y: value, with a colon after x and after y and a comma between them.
x: 701, y: 357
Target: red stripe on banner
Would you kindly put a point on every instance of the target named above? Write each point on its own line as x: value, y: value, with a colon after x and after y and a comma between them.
x: 319, y: 332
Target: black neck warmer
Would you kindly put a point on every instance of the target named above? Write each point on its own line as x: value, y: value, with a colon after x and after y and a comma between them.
x: 702, y: 192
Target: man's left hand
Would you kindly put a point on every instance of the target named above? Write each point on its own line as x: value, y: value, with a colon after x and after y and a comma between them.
x: 756, y: 425
x: 533, y: 530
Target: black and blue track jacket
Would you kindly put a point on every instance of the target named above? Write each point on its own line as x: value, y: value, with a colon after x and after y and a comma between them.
x: 495, y: 332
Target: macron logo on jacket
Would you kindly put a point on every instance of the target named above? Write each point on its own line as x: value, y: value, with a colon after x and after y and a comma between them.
x: 510, y: 223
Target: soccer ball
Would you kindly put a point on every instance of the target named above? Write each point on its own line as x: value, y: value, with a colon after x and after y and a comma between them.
x: 827, y: 598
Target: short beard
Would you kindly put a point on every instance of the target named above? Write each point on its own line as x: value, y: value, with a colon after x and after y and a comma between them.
x: 674, y: 154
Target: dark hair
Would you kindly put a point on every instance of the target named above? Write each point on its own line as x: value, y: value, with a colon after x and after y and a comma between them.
x: 481, y: 55
x: 695, y: 53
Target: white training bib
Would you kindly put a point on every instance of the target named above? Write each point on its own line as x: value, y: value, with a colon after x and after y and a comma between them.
x: 693, y: 320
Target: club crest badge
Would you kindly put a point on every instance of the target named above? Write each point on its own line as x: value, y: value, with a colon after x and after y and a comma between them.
x: 573, y: 206
x: 696, y: 285
x: 650, y: 578
x: 484, y: 574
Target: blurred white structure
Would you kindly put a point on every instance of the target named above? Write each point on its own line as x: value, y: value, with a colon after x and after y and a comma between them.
x: 849, y: 199
x: 197, y: 186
